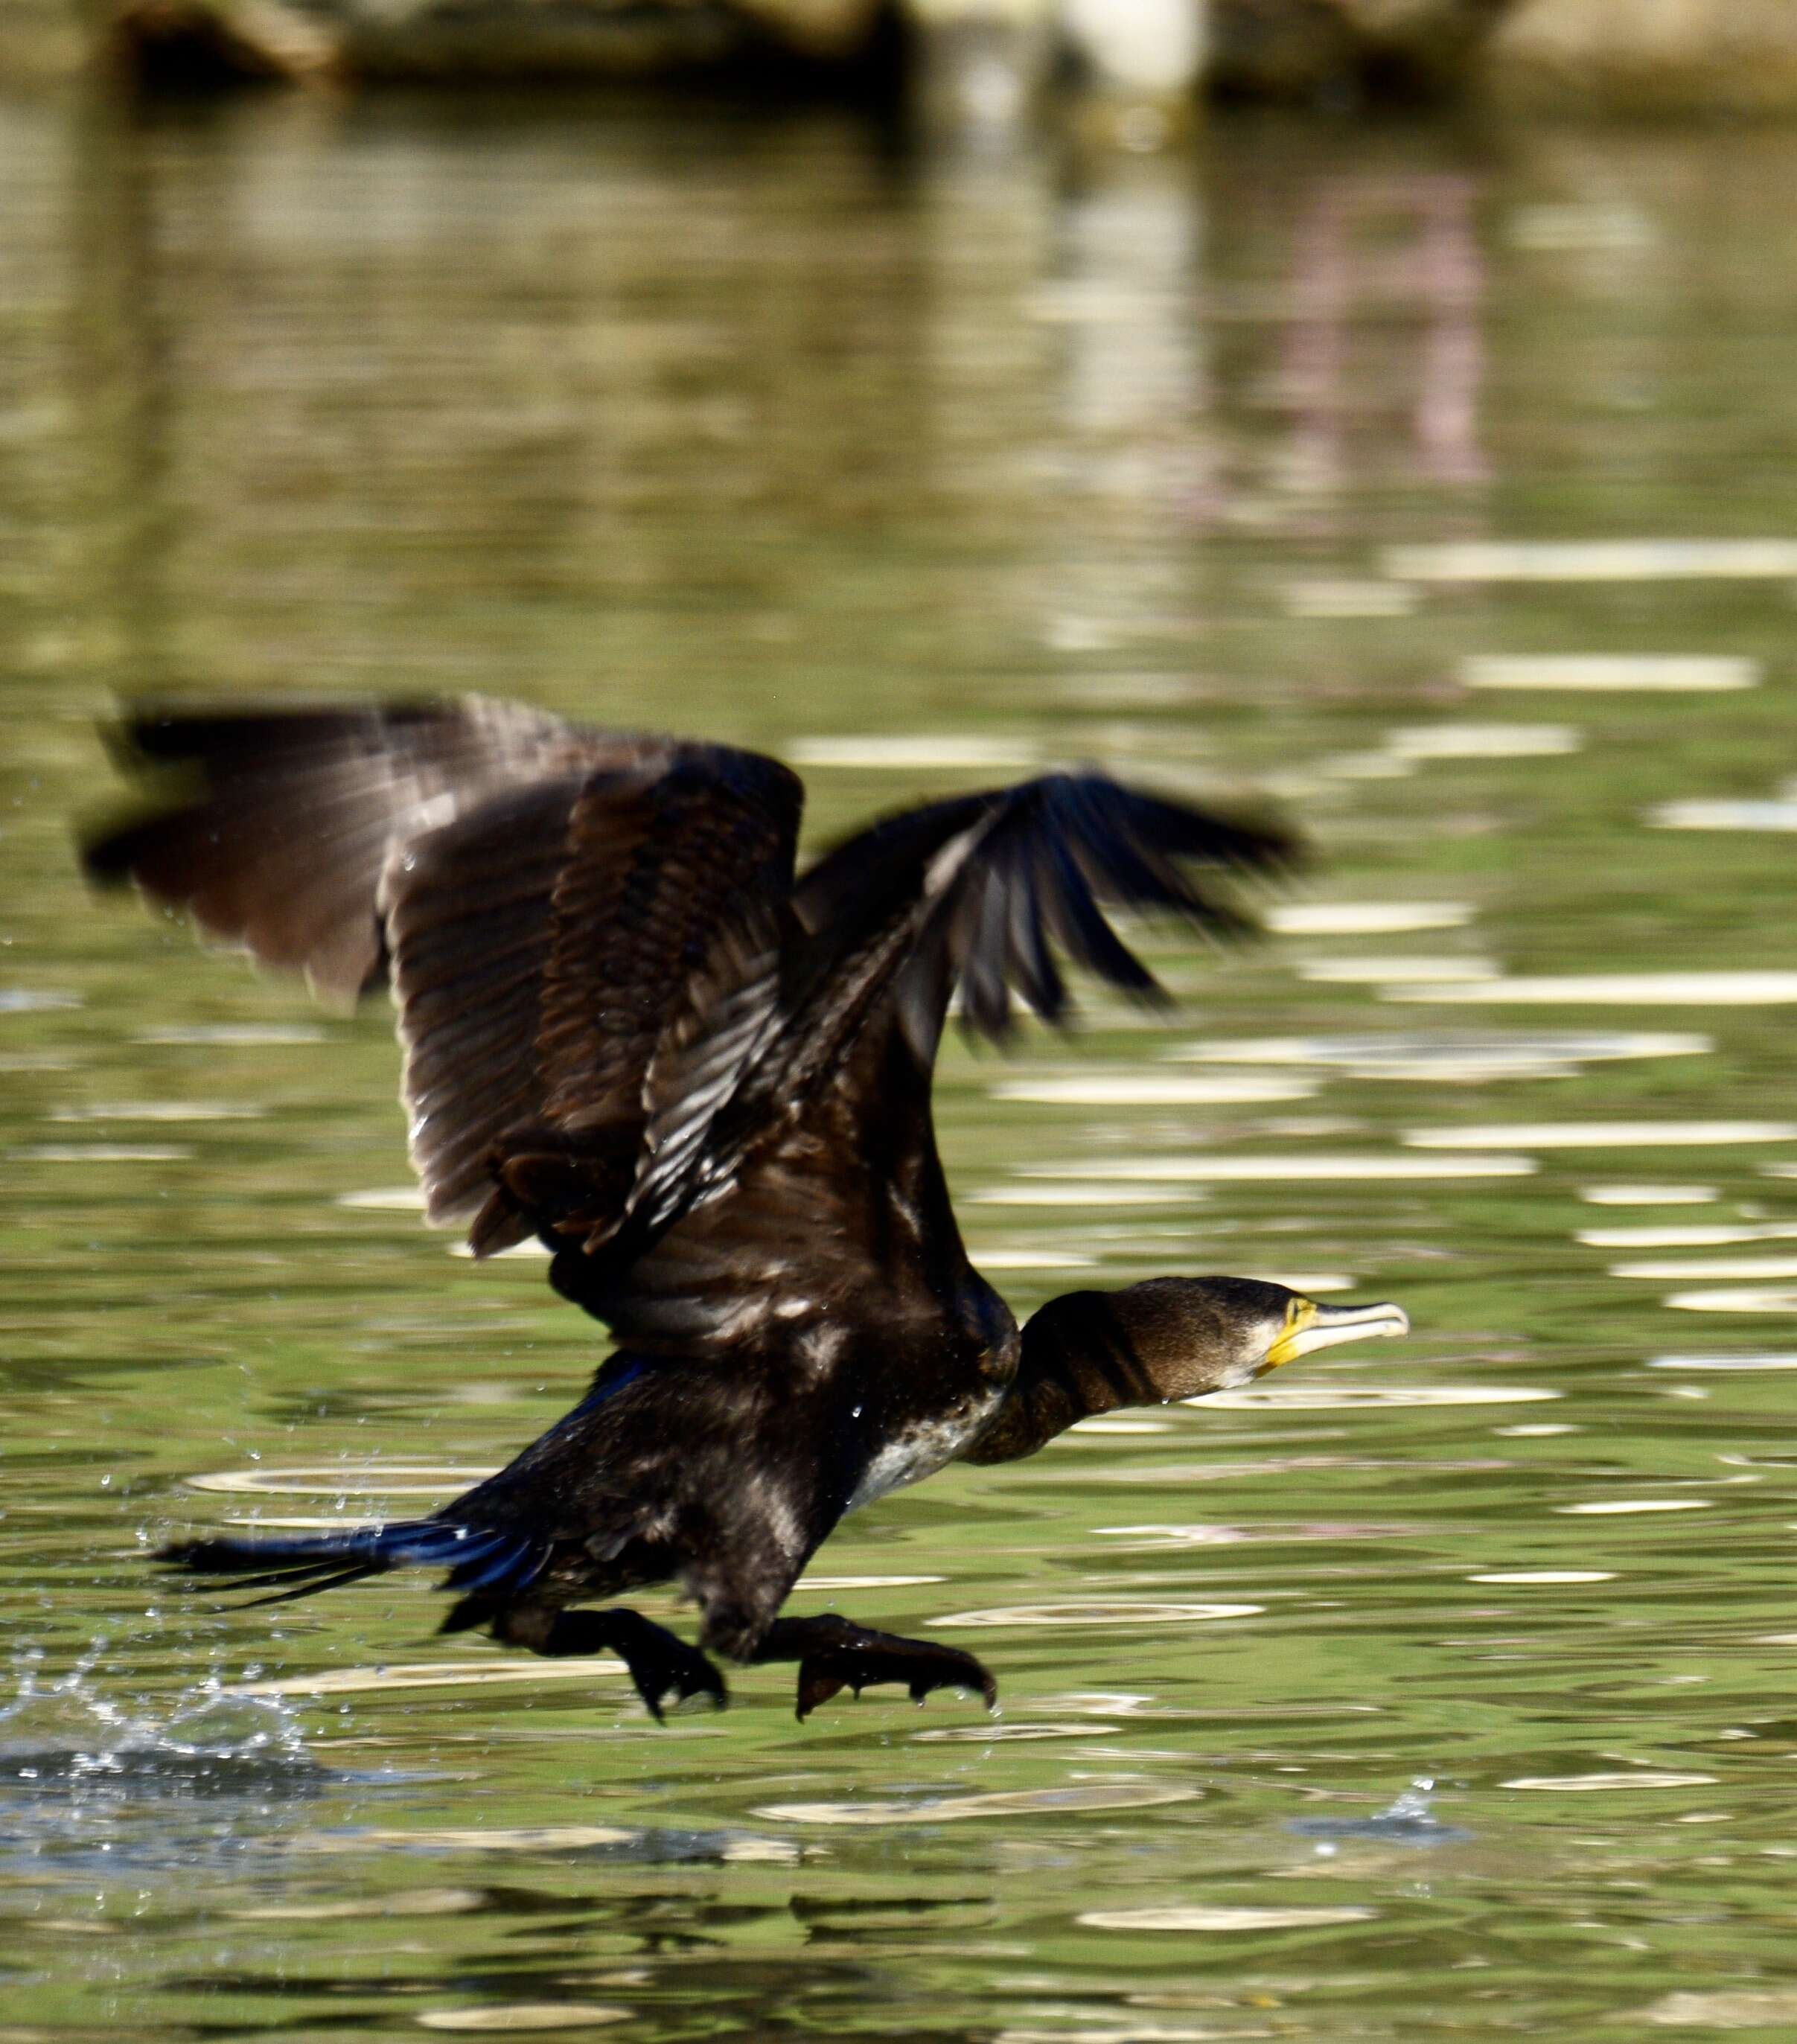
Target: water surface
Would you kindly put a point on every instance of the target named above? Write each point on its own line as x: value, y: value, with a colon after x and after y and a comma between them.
x: 1444, y: 1690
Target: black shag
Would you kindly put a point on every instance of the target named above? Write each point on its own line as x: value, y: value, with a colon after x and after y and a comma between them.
x: 631, y: 1030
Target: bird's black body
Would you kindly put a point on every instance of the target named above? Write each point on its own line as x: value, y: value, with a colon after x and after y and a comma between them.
x: 704, y: 1082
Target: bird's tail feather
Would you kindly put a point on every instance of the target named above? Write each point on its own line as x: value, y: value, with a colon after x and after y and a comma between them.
x: 477, y: 1557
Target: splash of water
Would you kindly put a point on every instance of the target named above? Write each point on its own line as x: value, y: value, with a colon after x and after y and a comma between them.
x: 1410, y: 1819
x: 88, y: 1777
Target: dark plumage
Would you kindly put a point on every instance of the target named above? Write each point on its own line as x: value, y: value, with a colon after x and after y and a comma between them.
x: 704, y: 1082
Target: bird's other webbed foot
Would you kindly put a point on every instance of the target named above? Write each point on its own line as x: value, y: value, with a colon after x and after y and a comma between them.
x: 835, y: 1654
x: 661, y: 1663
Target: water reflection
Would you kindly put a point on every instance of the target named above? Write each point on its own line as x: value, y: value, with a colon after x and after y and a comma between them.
x: 1602, y: 1135
x: 1605, y: 674
x: 1484, y: 741
x: 1546, y: 1576
x: 1149, y: 1089
x: 1711, y: 814
x: 1632, y: 989
x: 1690, y: 1236
x: 1595, y: 560
x: 102, y: 1153
x: 1364, y: 919
x: 1087, y: 1612
x: 429, y: 1675
x: 514, y: 2018
x: 1293, y: 1167
x: 390, y: 1480
x: 1342, y: 1398
x: 1396, y: 243
x: 1461, y: 1055
x: 1052, y: 1802
x: 412, y: 1902
x: 1224, y: 1918
x: 1586, y: 1784
x: 1724, y: 1362
x: 1718, y: 1266
x: 160, y: 1110
x: 1724, y: 2008
x: 1414, y: 969
x: 1736, y: 1299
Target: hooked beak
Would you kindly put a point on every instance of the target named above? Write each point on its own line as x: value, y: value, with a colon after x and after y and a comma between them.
x: 1309, y: 1326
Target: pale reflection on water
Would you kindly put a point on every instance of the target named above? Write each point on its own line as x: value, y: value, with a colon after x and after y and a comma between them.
x: 1290, y: 465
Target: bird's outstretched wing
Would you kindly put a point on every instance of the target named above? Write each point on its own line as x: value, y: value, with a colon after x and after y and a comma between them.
x: 979, y: 892
x: 828, y: 1198
x: 582, y: 929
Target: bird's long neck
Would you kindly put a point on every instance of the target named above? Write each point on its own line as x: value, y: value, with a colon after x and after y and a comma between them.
x: 1090, y: 1352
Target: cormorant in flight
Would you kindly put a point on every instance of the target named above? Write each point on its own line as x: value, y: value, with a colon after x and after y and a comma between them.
x: 632, y: 1029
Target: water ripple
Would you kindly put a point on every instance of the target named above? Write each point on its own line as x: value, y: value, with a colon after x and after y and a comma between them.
x: 340, y: 1479
x: 1231, y: 1920
x: 1600, y: 1134
x: 1288, y: 1167
x: 1092, y: 1611
x: 1073, y: 1799
x: 1364, y: 919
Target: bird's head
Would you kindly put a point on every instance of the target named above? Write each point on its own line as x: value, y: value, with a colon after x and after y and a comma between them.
x: 1190, y: 1335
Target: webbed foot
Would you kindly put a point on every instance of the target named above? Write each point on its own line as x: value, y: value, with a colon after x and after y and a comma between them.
x: 660, y: 1662
x: 834, y: 1655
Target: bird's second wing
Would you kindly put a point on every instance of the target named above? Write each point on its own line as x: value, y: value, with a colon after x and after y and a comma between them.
x: 980, y: 892
x: 828, y: 1202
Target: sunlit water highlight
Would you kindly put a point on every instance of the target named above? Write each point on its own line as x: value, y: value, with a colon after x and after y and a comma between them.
x: 1294, y: 1168
x: 1461, y: 1056
x: 1484, y: 741
x: 1594, y: 560
x: 1605, y: 674
x: 1641, y: 990
x: 1382, y: 971
x: 1710, y: 815
x: 1364, y: 919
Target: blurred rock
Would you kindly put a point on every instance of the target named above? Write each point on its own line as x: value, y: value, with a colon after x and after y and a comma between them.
x: 1670, y: 56
x: 1331, y: 49
x: 498, y: 38
x: 204, y: 42
x: 197, y: 41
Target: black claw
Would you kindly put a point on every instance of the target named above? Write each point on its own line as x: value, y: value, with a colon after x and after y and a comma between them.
x: 882, y: 1658
x: 687, y: 1674
x: 834, y: 1653
x: 659, y: 1662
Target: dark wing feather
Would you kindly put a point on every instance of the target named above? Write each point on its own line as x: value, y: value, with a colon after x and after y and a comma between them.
x: 969, y: 893
x: 566, y: 914
x: 270, y: 828
x: 661, y: 984
x: 467, y: 912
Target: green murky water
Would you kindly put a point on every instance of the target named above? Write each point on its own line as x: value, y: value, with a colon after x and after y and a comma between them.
x: 1445, y: 1689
